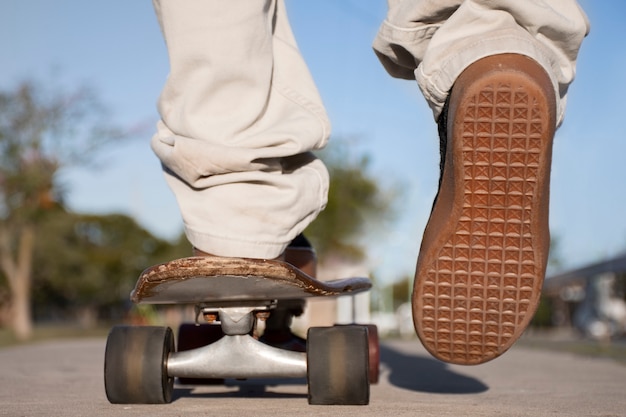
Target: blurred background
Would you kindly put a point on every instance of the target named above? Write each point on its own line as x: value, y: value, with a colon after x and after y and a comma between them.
x: 84, y: 207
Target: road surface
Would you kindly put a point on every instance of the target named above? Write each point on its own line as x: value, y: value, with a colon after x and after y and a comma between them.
x: 64, y: 378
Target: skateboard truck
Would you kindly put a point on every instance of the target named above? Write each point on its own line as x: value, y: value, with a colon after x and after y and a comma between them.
x: 254, y: 359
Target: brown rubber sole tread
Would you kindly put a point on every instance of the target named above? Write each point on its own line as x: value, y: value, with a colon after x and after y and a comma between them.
x: 483, y: 257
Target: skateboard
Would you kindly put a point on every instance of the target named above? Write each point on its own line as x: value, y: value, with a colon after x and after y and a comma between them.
x: 141, y: 362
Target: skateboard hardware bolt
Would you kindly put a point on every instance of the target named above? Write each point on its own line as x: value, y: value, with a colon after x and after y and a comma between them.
x: 210, y: 317
x: 262, y: 315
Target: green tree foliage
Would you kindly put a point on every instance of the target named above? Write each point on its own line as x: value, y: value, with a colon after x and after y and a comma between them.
x: 401, y: 291
x: 357, y: 205
x: 91, y: 263
x: 545, y: 309
x: 40, y: 133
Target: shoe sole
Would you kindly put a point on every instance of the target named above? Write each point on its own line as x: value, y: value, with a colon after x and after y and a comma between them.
x: 479, y: 283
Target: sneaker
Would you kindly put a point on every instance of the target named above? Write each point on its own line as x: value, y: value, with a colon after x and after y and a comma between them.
x: 299, y: 253
x: 484, y: 252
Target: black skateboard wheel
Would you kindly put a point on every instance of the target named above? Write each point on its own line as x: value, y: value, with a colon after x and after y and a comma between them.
x: 374, y: 351
x: 135, y: 365
x: 338, y: 365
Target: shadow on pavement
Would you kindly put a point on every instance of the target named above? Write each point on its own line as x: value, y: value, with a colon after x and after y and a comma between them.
x: 418, y: 373
x: 253, y: 388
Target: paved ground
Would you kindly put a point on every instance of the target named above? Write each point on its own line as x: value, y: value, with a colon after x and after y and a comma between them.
x: 64, y: 378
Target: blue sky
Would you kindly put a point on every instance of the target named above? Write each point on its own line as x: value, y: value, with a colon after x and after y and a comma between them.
x: 116, y: 47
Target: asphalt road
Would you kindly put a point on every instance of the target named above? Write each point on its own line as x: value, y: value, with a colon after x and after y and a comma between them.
x: 64, y: 378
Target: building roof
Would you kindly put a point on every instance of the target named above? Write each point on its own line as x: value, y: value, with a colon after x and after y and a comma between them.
x: 580, y: 275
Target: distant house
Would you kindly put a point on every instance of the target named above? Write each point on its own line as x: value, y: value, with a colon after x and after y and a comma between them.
x: 592, y: 298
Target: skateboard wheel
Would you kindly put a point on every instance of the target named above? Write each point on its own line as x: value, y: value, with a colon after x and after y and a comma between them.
x: 374, y: 353
x: 338, y: 365
x: 192, y: 336
x: 135, y: 365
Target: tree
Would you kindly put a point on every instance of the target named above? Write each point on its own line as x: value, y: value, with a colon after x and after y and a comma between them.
x: 41, y: 132
x: 356, y: 205
x: 91, y: 264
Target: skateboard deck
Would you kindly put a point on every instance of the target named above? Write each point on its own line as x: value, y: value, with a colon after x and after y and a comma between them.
x: 198, y: 280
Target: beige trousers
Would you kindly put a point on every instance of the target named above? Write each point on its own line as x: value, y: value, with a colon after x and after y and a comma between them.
x: 240, y: 113
x: 433, y: 41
